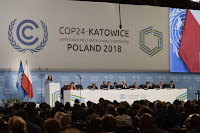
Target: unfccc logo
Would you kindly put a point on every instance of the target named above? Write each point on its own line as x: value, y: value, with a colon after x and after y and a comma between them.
x: 26, y: 39
x: 145, y: 33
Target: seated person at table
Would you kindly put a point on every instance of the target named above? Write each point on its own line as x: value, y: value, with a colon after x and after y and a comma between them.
x: 115, y: 85
x: 108, y: 86
x: 160, y: 85
x: 135, y: 86
x: 124, y: 85
x: 153, y: 85
x: 63, y: 88
x: 172, y: 84
x: 72, y: 86
x: 93, y: 86
x: 147, y: 86
x: 103, y: 85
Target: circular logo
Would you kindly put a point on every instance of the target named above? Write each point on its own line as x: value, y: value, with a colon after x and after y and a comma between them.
x: 27, y: 40
x: 19, y: 77
x: 143, y: 96
x: 122, y: 96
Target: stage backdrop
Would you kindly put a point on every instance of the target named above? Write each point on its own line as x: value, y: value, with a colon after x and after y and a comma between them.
x: 83, y: 36
x: 181, y: 80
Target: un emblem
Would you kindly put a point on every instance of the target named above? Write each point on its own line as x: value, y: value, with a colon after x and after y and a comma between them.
x: 144, y: 46
x: 26, y: 41
x: 122, y: 96
x: 177, y: 20
x: 19, y: 77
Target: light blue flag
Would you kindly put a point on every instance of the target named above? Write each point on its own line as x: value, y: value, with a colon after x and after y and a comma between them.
x: 177, y: 20
x: 19, y: 80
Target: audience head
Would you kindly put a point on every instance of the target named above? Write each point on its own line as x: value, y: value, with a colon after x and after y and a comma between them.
x: 101, y: 100
x: 17, y: 125
x: 111, y: 107
x: 177, y: 103
x: 6, y: 105
x: 67, y: 106
x: 121, y: 110
x: 158, y: 105
x: 115, y: 83
x: 51, y: 126
x: 104, y: 82
x: 76, y: 101
x: 147, y: 83
x: 71, y: 130
x: 22, y: 114
x: 94, y: 125
x: 4, y: 128
x: 89, y: 104
x: 193, y: 121
x: 145, y: 121
x: 83, y: 105
x: 171, y: 82
x: 65, y: 84
x: 108, y: 123
x: 161, y: 83
x: 170, y: 107
x: 144, y: 110
x: 65, y: 120
x: 58, y: 114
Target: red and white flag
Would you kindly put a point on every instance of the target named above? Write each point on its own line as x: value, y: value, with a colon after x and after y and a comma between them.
x: 189, y: 49
x: 27, y: 82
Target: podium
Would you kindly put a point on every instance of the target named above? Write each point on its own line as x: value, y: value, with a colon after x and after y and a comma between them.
x: 71, y: 95
x: 52, y: 93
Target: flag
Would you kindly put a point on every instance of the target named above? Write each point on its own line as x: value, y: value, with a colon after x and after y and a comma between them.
x: 27, y: 82
x: 19, y: 81
x: 190, y: 42
x: 177, y: 20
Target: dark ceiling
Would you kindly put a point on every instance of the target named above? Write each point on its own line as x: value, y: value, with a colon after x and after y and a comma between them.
x: 185, y: 4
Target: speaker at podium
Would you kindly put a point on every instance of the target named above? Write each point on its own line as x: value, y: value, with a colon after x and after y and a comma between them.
x: 52, y: 93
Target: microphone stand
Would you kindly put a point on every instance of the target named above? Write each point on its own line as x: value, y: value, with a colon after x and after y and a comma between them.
x: 80, y: 85
x: 80, y: 88
x: 41, y: 75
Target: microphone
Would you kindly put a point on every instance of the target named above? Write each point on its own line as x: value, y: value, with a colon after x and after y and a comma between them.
x: 78, y: 75
x: 47, y: 69
x: 39, y: 68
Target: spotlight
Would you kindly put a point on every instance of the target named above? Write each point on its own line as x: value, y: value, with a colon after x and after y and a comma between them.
x: 195, y: 1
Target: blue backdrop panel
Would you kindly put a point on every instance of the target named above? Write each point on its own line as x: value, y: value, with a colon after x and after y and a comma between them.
x: 181, y: 80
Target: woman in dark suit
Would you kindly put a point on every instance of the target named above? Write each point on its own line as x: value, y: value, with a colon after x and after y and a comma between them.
x: 49, y: 79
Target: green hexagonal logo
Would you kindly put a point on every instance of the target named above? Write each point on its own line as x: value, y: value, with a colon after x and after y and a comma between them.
x: 145, y: 46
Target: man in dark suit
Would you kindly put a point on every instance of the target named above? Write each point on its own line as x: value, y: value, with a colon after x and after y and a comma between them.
x: 124, y: 86
x: 135, y: 86
x: 172, y: 84
x: 147, y: 86
x: 160, y: 85
x: 115, y: 85
x: 103, y: 85
x: 109, y: 86
x: 93, y: 86
x: 62, y: 89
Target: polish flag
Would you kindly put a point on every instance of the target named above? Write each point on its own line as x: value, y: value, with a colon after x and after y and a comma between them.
x: 189, y: 49
x: 27, y: 82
